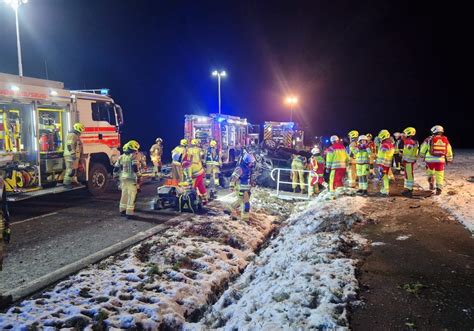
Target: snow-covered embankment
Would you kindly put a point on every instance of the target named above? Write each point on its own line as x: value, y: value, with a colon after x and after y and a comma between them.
x: 302, y: 280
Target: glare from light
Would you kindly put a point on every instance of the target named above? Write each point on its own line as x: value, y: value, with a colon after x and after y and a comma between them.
x: 15, y: 88
x: 14, y: 4
x: 291, y: 100
x: 223, y: 74
x: 215, y: 73
x: 53, y: 93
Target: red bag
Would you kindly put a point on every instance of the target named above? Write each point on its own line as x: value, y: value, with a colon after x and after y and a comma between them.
x: 439, y: 146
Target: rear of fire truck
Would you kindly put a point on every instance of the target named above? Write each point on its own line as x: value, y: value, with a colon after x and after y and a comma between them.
x: 35, y: 117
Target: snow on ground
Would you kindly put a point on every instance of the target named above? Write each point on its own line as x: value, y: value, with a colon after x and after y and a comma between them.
x: 161, y: 282
x: 302, y: 280
x: 458, y: 193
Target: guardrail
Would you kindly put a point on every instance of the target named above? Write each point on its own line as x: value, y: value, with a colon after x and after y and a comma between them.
x: 279, y: 181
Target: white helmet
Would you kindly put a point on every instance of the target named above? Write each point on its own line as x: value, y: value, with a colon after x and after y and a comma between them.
x: 397, y: 135
x: 334, y: 138
x: 363, y: 137
x: 315, y: 150
x: 437, y: 129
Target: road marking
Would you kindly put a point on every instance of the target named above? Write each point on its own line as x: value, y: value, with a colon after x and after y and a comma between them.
x: 34, y: 218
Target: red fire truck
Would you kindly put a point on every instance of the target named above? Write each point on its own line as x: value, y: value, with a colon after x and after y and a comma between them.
x: 35, y: 117
x: 232, y: 133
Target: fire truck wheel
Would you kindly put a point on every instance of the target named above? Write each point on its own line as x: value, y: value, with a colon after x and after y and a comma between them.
x: 98, y: 179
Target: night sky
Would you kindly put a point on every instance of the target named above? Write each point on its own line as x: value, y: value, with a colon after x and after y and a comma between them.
x: 353, y: 64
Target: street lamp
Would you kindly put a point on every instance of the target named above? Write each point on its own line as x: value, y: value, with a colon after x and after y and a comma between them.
x: 218, y: 74
x: 292, y: 101
x: 15, y: 4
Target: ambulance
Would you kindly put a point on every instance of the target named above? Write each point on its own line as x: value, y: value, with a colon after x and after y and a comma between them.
x: 35, y: 118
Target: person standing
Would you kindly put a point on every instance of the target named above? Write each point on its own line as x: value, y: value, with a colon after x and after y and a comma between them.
x: 397, y: 154
x: 436, y: 151
x: 384, y: 161
x: 336, y: 163
x: 362, y: 156
x: 297, y: 172
x: 241, y: 184
x: 194, y: 155
x: 156, y: 152
x: 409, y: 156
x: 213, y: 165
x: 351, y: 148
x: 316, y: 176
x: 72, y: 154
x: 127, y: 170
x: 177, y: 155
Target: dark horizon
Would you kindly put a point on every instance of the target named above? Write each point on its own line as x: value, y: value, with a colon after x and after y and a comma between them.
x: 354, y: 65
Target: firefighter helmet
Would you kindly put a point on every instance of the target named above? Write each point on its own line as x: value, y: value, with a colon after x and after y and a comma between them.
x: 315, y: 150
x: 369, y: 136
x: 159, y: 140
x: 183, y: 142
x: 353, y: 134
x: 362, y: 137
x: 195, y: 142
x: 333, y: 139
x: 132, y: 145
x: 437, y: 129
x: 384, y: 134
x: 213, y: 143
x: 397, y: 135
x: 79, y: 127
x: 410, y: 131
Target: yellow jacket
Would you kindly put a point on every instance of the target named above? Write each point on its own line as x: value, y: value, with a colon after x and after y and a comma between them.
x: 385, y: 153
x: 336, y: 157
x: 177, y: 154
x: 73, y: 146
x: 194, y: 155
x: 426, y: 155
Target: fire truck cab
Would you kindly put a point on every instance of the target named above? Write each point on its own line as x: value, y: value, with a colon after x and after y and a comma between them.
x: 35, y: 118
x: 232, y: 133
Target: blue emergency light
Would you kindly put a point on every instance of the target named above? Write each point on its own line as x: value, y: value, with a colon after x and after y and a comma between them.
x: 104, y: 91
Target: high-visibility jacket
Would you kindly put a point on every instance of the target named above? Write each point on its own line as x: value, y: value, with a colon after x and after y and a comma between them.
x: 73, y: 146
x: 336, y: 156
x: 194, y: 155
x: 242, y: 177
x: 385, y: 153
x: 410, y: 150
x: 298, y: 160
x: 362, y: 154
x: 351, y: 150
x: 213, y: 156
x: 426, y: 155
x: 316, y: 164
x: 127, y: 166
x: 177, y: 154
x: 156, y: 151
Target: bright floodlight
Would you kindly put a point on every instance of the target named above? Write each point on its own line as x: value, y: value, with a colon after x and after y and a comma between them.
x: 291, y: 100
x: 223, y: 74
x: 15, y: 3
x: 15, y: 88
x: 215, y: 73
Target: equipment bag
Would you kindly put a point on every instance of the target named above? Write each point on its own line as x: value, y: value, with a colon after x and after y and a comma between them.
x: 189, y: 202
x: 439, y: 146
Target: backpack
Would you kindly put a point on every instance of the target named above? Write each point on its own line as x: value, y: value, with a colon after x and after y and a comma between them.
x: 439, y: 146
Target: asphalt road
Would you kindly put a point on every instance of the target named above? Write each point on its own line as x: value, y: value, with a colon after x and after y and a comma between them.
x: 52, y: 231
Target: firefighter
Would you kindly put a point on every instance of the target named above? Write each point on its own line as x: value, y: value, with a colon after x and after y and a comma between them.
x: 371, y: 145
x: 297, y: 172
x: 384, y: 161
x: 72, y: 154
x: 397, y: 154
x: 316, y: 177
x: 5, y: 231
x: 409, y: 155
x: 194, y: 154
x: 177, y: 156
x: 241, y: 184
x: 213, y: 164
x: 351, y: 148
x: 362, y: 154
x: 436, y: 151
x: 127, y: 170
x: 156, y: 152
x: 336, y: 163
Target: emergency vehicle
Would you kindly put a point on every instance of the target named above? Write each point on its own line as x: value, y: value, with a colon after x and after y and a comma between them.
x: 283, y: 134
x: 35, y: 117
x: 232, y: 133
